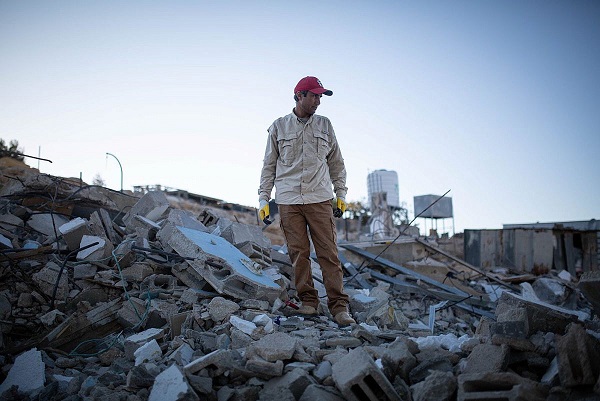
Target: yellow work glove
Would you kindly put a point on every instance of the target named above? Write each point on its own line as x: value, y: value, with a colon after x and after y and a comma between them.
x: 340, y: 207
x: 263, y: 212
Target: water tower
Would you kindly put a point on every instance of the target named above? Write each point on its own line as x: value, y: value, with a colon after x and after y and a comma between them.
x: 384, y: 181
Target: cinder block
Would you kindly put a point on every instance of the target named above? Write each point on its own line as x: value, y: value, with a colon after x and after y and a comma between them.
x: 264, y: 368
x: 219, y: 360
x: 503, y: 386
x: 589, y: 285
x: 238, y: 234
x: 27, y: 373
x: 171, y: 385
x: 73, y: 231
x: 220, y: 263
x: 135, y: 341
x: 358, y: 378
x: 540, y: 316
x: 151, y: 206
x: 487, y: 358
x: 99, y: 252
x: 578, y: 358
x: 256, y: 253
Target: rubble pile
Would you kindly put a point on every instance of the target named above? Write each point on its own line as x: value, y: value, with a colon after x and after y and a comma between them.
x: 107, y: 296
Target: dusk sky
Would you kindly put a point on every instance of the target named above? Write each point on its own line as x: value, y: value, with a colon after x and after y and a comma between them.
x: 496, y: 101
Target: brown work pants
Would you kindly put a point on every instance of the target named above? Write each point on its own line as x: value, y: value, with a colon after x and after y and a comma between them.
x: 296, y: 220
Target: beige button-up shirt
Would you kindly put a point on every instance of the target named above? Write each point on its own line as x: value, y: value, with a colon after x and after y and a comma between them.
x: 303, y: 162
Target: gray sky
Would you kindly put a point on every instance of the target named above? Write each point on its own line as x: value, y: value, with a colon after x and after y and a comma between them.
x: 497, y: 101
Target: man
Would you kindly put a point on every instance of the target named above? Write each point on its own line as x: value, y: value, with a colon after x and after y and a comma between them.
x: 303, y: 161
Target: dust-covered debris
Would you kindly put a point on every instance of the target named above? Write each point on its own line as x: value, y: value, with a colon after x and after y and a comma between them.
x: 106, y: 295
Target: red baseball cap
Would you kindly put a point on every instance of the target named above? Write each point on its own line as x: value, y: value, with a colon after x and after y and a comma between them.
x: 312, y: 84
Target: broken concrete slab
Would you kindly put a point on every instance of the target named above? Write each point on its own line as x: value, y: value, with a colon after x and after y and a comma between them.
x: 27, y: 373
x: 589, y: 284
x: 151, y: 206
x: 540, y: 316
x: 220, y: 264
x: 487, y: 358
x: 73, y: 231
x: 578, y: 357
x: 499, y: 386
x: 171, y: 385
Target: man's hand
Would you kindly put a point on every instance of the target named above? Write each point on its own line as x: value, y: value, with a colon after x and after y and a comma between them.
x: 340, y: 207
x: 263, y: 212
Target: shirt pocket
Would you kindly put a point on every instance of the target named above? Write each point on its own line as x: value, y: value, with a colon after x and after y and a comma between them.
x: 323, y: 144
x: 287, y: 146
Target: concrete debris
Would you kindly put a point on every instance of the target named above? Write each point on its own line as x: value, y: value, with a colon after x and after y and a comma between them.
x: 160, y: 298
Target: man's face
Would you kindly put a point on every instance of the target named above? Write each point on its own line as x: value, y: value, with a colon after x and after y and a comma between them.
x: 308, y: 104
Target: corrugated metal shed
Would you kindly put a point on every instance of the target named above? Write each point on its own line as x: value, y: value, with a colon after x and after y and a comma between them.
x: 536, y: 248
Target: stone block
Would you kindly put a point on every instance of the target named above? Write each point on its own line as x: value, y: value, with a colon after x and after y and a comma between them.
x: 220, y: 309
x: 221, y: 264
x: 257, y: 254
x: 316, y: 392
x: 296, y: 381
x: 133, y: 313
x: 398, y: 360
x: 27, y: 373
x: 133, y: 342
x: 99, y: 252
x: 83, y: 271
x: 439, y: 386
x: 487, y: 358
x: 219, y: 359
x: 148, y: 352
x: 238, y: 234
x: 171, y: 385
x: 137, y: 272
x: 182, y: 355
x: 151, y: 206
x: 578, y: 357
x: 540, y: 316
x: 9, y: 222
x: 358, y: 378
x: 73, y: 231
x: 498, y: 386
x: 46, y: 223
x: 264, y: 369
x: 273, y: 347
x: 589, y: 285
x: 47, y: 278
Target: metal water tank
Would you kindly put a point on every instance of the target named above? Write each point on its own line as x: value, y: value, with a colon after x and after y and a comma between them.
x: 384, y: 181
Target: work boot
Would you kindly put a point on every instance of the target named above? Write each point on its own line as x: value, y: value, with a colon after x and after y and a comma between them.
x: 344, y: 319
x: 307, y: 310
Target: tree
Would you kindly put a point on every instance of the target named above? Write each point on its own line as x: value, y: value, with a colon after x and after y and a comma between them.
x: 98, y: 180
x: 12, y: 150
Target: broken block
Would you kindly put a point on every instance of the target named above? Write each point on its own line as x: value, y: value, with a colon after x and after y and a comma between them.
x: 358, y: 378
x: 46, y: 223
x: 149, y: 352
x: 578, y: 358
x: 47, y: 278
x: 540, y: 316
x: 171, y: 385
x: 73, y: 231
x: 151, y: 206
x: 487, y: 358
x: 99, y: 252
x: 499, y: 386
x: 27, y: 373
x: 273, y: 347
x: 221, y: 264
x: 589, y: 285
x: 132, y: 343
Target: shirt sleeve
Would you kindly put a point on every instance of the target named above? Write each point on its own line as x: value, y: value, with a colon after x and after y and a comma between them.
x: 337, y: 168
x: 267, y: 176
